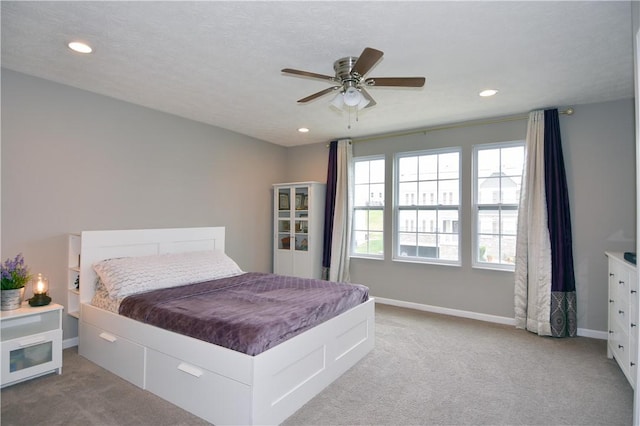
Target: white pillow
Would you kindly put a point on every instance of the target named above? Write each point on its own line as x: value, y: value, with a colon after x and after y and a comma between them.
x: 129, y: 275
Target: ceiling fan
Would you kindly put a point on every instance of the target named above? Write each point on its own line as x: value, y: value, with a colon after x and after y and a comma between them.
x: 350, y: 81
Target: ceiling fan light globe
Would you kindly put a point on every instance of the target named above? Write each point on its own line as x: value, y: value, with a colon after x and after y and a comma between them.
x: 338, y: 101
x: 363, y: 103
x: 352, y: 97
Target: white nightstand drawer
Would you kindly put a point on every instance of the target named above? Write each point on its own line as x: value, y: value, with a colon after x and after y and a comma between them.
x: 30, y: 356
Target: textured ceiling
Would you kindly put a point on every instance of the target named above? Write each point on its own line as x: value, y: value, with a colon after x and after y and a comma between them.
x: 220, y: 62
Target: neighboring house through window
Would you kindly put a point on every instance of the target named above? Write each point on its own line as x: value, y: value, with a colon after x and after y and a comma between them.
x: 437, y: 173
x: 497, y: 177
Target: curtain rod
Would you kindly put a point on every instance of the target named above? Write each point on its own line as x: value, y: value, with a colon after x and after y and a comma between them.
x: 568, y: 111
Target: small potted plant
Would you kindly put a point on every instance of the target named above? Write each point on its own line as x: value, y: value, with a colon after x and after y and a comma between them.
x: 14, y: 277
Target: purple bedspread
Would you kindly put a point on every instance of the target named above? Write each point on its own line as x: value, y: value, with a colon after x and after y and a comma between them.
x: 249, y: 313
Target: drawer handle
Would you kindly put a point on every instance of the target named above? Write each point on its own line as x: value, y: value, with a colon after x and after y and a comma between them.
x: 190, y: 369
x: 611, y: 274
x: 611, y: 300
x: 620, y: 282
x: 633, y: 325
x: 633, y: 292
x: 620, y: 347
x: 633, y: 363
x: 32, y: 341
x: 621, y: 312
x: 108, y: 337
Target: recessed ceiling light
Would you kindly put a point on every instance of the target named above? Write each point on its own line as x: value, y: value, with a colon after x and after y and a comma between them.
x: 488, y: 92
x: 303, y: 130
x: 80, y: 47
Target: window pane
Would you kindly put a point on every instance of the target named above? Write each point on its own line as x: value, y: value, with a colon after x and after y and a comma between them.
x: 428, y: 165
x: 427, y: 221
x: 449, y: 192
x: 360, y: 220
x: 377, y: 171
x: 361, y: 172
x: 428, y: 192
x: 360, y: 242
x: 509, y: 222
x: 376, y: 194
x: 511, y: 189
x: 448, y: 165
x: 488, y: 162
x: 407, y: 220
x: 488, y: 221
x: 490, y: 248
x: 407, y: 193
x: 376, y: 220
x: 448, y: 246
x: 407, y: 169
x: 361, y: 195
x: 509, y: 250
x: 512, y: 160
x: 407, y: 244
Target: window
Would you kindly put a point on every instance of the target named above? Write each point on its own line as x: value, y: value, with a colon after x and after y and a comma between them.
x: 436, y: 173
x: 368, y: 207
x: 497, y: 177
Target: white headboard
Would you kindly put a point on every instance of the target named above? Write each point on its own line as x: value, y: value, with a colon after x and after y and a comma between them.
x: 100, y: 245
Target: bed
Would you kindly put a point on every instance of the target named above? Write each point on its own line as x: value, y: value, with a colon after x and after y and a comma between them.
x: 220, y: 385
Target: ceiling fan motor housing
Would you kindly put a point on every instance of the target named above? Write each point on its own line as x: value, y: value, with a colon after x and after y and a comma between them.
x: 343, y: 68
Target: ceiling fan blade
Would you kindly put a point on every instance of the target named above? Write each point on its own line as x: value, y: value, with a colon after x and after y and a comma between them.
x: 318, y: 94
x: 396, y: 81
x: 367, y: 59
x: 368, y: 97
x: 308, y: 74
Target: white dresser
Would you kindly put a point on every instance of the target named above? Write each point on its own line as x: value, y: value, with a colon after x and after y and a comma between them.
x: 622, y: 343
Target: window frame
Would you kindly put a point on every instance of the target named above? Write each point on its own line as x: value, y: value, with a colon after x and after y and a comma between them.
x: 437, y: 207
x: 475, y: 208
x: 369, y: 208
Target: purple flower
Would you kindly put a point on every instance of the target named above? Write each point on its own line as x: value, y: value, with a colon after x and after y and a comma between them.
x: 14, y: 273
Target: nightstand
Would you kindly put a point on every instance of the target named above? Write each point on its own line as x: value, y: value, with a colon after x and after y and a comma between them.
x: 30, y: 342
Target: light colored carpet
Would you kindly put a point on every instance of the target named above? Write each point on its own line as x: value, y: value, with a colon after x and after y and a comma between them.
x: 426, y: 369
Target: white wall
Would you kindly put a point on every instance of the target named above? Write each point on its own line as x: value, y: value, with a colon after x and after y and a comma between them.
x: 599, y: 152
x: 73, y: 161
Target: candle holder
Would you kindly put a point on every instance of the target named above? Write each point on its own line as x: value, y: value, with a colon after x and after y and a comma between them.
x: 40, y: 288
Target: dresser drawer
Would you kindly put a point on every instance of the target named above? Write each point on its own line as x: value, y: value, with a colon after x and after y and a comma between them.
x: 620, y: 347
x: 198, y: 390
x: 114, y: 353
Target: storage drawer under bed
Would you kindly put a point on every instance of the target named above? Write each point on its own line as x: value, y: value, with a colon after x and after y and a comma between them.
x: 197, y: 390
x: 114, y: 353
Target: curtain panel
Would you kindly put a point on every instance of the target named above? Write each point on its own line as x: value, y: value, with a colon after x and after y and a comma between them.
x: 329, y: 206
x: 544, y: 296
x: 338, y: 212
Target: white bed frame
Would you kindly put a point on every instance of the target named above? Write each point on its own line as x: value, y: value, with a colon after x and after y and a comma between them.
x: 215, y: 383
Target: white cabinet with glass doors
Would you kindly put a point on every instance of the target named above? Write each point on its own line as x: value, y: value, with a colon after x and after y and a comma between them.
x: 298, y: 229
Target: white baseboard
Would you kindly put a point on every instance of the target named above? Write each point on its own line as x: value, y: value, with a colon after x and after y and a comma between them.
x: 69, y: 343
x: 594, y: 334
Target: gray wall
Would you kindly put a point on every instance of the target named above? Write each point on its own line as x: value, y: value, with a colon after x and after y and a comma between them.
x: 598, y: 142
x: 73, y: 161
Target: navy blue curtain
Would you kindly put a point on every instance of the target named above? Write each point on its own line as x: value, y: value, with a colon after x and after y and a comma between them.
x: 329, y: 207
x: 563, y: 285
